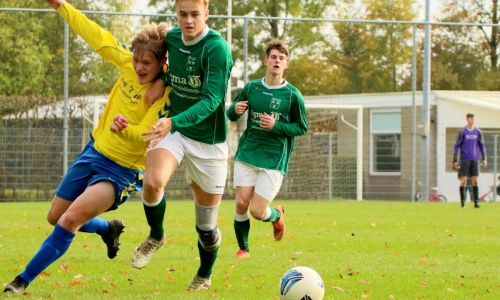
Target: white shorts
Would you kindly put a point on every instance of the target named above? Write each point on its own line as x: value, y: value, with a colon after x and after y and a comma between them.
x: 267, y: 182
x: 206, y: 164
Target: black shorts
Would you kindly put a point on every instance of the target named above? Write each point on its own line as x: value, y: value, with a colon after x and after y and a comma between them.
x: 468, y: 168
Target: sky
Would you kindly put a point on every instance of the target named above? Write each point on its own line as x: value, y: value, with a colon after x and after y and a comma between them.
x: 141, y: 6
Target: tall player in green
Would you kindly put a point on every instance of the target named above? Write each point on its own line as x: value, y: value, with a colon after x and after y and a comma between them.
x: 276, y: 114
x: 194, y: 132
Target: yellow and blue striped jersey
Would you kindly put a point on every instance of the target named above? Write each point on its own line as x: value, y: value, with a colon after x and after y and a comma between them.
x: 126, y: 148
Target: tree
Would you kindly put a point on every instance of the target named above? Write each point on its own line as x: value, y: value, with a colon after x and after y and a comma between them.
x: 466, y: 57
x: 372, y: 56
x: 33, y: 54
x: 484, y: 12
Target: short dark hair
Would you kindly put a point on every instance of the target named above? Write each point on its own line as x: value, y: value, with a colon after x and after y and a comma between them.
x: 469, y: 115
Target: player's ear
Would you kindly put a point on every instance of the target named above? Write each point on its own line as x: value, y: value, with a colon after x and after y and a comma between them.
x: 206, y: 14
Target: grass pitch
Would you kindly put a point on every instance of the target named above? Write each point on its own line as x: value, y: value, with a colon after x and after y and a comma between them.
x: 363, y: 250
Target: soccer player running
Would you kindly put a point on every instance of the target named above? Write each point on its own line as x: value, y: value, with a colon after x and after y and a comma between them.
x: 276, y: 114
x: 195, y: 132
x: 112, y: 164
x: 469, y: 139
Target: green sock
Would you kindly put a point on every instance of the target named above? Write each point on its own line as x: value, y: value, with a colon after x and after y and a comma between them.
x: 155, y: 216
x: 207, y: 261
x: 275, y: 215
x: 242, y: 230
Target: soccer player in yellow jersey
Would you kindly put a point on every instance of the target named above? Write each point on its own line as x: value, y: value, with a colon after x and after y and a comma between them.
x: 112, y: 164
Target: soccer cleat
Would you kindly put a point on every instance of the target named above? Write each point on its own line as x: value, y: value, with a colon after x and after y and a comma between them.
x: 144, y: 253
x: 476, y: 205
x: 199, y: 284
x: 242, y: 254
x: 17, y: 286
x: 112, y: 237
x: 279, y: 226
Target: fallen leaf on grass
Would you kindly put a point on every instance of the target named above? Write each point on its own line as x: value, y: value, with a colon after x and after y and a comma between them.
x: 44, y: 274
x: 75, y: 283
x: 64, y: 267
x: 449, y: 290
x: 424, y: 261
x: 365, y: 295
x: 364, y: 282
x: 79, y: 277
x: 338, y: 289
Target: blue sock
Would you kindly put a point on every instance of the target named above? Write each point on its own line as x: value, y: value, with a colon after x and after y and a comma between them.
x: 52, y: 248
x: 97, y: 225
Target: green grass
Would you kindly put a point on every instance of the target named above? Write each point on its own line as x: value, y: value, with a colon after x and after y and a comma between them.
x: 365, y: 250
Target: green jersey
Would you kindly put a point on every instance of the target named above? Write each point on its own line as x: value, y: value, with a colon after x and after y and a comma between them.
x: 199, y: 71
x: 270, y: 149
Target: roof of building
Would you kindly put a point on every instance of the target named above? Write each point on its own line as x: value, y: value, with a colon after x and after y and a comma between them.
x: 485, y: 99
x: 78, y: 107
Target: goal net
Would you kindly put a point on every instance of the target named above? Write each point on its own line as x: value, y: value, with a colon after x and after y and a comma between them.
x: 327, y: 161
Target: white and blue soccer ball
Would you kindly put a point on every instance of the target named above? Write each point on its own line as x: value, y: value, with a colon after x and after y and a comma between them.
x: 301, y: 283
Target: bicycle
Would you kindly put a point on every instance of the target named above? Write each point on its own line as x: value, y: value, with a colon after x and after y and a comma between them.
x: 434, y: 195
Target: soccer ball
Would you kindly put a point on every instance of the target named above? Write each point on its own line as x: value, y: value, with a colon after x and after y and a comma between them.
x: 301, y: 283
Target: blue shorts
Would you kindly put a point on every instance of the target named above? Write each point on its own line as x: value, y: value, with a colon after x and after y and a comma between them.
x: 91, y: 167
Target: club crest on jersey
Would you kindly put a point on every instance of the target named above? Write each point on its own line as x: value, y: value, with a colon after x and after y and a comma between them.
x: 191, y: 63
x: 194, y: 81
x: 275, y: 103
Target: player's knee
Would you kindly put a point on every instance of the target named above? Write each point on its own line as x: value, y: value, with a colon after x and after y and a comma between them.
x: 52, y: 219
x: 210, y: 240
x: 257, y: 214
x: 242, y: 206
x: 152, y: 186
x: 70, y: 221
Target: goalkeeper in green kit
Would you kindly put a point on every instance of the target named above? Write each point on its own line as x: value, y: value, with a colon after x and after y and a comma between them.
x: 276, y: 114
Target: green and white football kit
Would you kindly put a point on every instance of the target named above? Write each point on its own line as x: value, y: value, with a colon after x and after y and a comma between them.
x: 199, y: 73
x: 264, y: 149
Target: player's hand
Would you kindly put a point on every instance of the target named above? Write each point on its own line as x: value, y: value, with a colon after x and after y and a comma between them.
x: 455, y: 166
x: 485, y: 163
x: 120, y: 122
x: 155, y: 92
x: 267, y: 121
x: 241, y: 107
x: 160, y: 129
x: 55, y: 3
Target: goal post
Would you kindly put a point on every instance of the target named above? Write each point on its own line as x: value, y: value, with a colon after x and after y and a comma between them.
x: 327, y: 162
x: 343, y: 122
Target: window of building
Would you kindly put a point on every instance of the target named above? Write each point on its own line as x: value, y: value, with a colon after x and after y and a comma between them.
x: 385, y: 156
